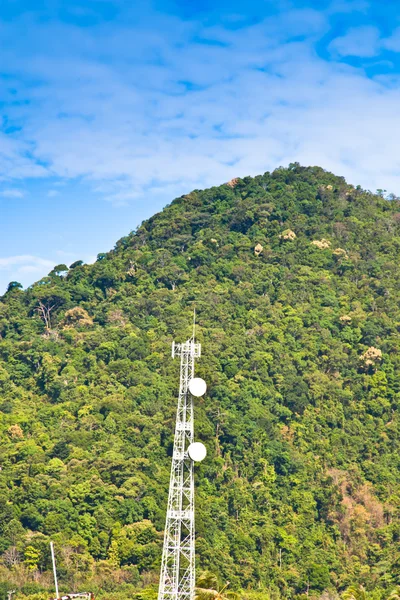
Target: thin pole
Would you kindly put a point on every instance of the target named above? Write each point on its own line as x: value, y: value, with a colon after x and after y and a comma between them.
x: 54, y: 567
x: 194, y: 322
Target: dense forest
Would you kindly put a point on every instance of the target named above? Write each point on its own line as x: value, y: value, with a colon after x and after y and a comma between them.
x: 295, y: 277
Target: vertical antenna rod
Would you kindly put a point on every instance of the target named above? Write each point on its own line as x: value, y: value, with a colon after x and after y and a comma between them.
x: 54, y: 567
x: 177, y: 578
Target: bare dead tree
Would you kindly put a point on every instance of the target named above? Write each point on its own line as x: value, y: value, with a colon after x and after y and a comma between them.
x: 46, y: 306
x: 45, y: 311
x: 11, y: 557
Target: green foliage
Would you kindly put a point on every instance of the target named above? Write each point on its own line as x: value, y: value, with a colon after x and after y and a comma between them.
x: 14, y: 285
x: 31, y: 557
x: 59, y: 269
x: 300, y: 350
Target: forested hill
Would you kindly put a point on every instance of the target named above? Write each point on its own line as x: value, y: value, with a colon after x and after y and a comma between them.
x: 295, y: 277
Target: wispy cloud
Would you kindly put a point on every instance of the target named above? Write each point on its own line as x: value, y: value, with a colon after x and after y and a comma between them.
x: 25, y: 265
x: 364, y: 42
x: 348, y: 6
x: 358, y: 41
x: 136, y: 110
x: 12, y: 193
x: 393, y: 42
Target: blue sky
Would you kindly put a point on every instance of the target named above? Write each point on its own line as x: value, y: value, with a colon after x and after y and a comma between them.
x: 111, y: 108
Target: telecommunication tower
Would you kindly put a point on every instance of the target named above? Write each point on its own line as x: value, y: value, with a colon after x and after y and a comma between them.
x: 177, y: 578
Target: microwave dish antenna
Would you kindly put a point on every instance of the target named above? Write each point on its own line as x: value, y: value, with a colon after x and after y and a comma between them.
x: 197, y: 451
x: 197, y: 387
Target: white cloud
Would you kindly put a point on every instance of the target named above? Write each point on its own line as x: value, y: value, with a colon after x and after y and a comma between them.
x: 16, y: 160
x: 365, y: 42
x: 25, y: 261
x: 23, y: 268
x: 358, y: 41
x: 11, y: 193
x: 52, y: 193
x: 348, y: 6
x: 393, y: 42
x: 162, y: 114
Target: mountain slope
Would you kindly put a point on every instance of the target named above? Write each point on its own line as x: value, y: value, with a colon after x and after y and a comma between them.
x: 295, y: 279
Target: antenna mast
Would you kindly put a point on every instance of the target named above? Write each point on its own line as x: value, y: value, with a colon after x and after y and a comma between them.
x: 177, y: 578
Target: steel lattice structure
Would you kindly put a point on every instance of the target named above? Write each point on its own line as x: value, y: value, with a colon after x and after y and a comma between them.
x: 177, y: 577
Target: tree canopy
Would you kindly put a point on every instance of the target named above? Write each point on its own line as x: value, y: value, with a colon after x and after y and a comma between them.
x: 295, y: 278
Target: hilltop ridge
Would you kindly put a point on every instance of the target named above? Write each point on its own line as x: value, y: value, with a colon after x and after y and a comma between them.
x: 295, y: 279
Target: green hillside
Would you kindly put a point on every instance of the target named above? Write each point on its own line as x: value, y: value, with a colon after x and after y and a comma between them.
x: 295, y: 276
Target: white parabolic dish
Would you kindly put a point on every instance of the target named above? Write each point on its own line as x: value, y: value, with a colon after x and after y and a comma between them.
x: 197, y: 387
x: 197, y: 451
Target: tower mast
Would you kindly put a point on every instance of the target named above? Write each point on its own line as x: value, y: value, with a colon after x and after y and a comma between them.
x: 177, y: 578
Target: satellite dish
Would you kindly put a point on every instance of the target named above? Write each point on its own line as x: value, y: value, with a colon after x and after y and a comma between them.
x: 197, y: 387
x: 197, y: 451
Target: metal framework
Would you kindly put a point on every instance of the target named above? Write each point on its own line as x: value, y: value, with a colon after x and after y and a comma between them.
x: 177, y: 579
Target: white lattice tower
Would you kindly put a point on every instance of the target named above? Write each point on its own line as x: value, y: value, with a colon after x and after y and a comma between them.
x: 177, y: 578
